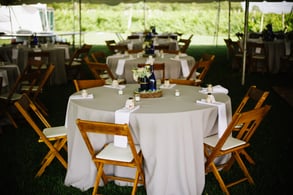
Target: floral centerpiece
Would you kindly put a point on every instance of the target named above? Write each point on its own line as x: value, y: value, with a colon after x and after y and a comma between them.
x: 148, y: 44
x: 141, y: 75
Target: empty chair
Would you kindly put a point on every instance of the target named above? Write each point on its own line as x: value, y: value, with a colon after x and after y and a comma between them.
x: 99, y: 56
x: 55, y: 138
x: 114, y: 47
x: 99, y: 70
x: 74, y: 65
x: 38, y: 60
x: 85, y: 84
x: 258, y: 61
x: 215, y: 147
x: 36, y: 88
x: 235, y: 52
x: 129, y: 156
x: 201, y: 68
x: 184, y: 43
x: 253, y: 98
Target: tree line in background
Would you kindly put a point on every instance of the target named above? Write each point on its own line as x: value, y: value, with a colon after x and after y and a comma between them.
x: 186, y: 18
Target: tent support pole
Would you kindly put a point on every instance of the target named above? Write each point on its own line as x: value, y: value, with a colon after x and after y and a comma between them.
x: 245, y: 41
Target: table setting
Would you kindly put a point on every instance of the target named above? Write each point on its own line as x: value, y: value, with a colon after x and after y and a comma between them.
x: 158, y: 127
x: 176, y: 66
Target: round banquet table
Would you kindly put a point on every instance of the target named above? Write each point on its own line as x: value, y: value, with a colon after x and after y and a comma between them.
x: 173, y: 66
x: 169, y: 129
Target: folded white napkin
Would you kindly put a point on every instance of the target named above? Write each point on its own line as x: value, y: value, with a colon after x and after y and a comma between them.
x: 79, y: 96
x: 118, y: 87
x: 3, y: 74
x: 120, y: 67
x: 66, y: 50
x: 122, y: 117
x: 170, y: 86
x: 222, y: 117
x: 216, y: 89
x: 118, y: 55
x: 185, y: 67
x: 14, y: 54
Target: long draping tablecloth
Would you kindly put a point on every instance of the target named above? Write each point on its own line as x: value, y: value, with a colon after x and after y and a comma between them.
x: 173, y: 66
x: 169, y: 129
x: 274, y: 50
x: 58, y: 54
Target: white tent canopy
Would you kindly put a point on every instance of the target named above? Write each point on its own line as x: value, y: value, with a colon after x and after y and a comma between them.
x: 270, y: 7
x: 23, y: 18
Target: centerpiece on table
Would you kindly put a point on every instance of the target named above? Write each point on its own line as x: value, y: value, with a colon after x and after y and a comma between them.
x: 148, y: 45
x: 147, y: 82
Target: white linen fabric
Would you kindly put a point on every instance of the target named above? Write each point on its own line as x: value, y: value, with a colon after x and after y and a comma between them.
x: 118, y: 87
x: 120, y: 66
x: 170, y: 86
x: 222, y: 116
x: 79, y: 96
x: 169, y: 130
x: 216, y: 89
x: 184, y: 66
x: 3, y: 73
x: 122, y: 117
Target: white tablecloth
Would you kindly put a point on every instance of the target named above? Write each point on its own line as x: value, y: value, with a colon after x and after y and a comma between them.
x: 173, y: 66
x: 170, y: 131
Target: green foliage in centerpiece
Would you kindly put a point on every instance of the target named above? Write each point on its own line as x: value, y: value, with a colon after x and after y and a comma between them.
x: 141, y: 72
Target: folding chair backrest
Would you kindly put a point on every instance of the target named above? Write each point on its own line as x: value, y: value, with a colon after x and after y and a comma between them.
x: 86, y: 127
x: 80, y: 53
x: 98, y: 56
x: 85, y: 84
x: 254, y: 98
x: 43, y: 80
x: 26, y: 106
x: 249, y: 121
x: 203, y: 65
x: 98, y: 68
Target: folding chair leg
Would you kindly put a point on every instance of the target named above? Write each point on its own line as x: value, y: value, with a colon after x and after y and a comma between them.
x: 248, y: 157
x: 54, y: 152
x: 98, y: 177
x: 219, y: 179
x: 243, y: 167
x: 11, y: 119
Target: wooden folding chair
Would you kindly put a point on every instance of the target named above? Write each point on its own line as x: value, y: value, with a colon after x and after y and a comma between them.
x: 130, y: 156
x: 99, y: 56
x: 55, y: 138
x: 74, y: 65
x: 201, y: 68
x: 215, y: 147
x: 35, y: 88
x: 253, y: 99
x: 85, y: 84
x: 99, y: 70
